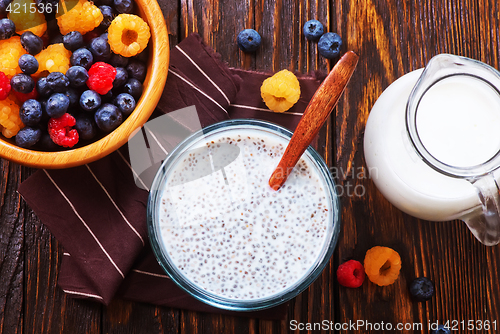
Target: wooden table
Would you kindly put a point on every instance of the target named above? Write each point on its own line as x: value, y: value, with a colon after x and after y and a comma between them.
x: 392, y: 37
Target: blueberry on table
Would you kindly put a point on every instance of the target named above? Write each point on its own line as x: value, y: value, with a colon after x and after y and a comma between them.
x: 313, y: 29
x: 73, y: 96
x: 124, y: 6
x: 90, y: 101
x: 248, y: 40
x: 28, y: 136
x: 441, y: 330
x: 118, y: 60
x: 125, y: 102
x: 43, y: 88
x: 73, y: 41
x: 31, y: 112
x: 77, y: 76
x: 422, y: 289
x: 82, y: 57
x: 108, y: 14
x: 46, y: 143
x: 108, y: 117
x: 31, y: 43
x: 28, y: 64
x: 329, y: 45
x: 133, y: 87
x: 57, y: 105
x: 22, y: 83
x: 57, y: 82
x: 3, y: 5
x: 7, y: 28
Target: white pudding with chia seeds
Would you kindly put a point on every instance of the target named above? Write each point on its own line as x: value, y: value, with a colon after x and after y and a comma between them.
x: 228, y: 232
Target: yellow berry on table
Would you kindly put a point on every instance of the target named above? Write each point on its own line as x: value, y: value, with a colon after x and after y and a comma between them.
x: 281, y: 91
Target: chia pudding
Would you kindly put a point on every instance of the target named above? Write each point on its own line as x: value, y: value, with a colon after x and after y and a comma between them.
x: 227, y: 232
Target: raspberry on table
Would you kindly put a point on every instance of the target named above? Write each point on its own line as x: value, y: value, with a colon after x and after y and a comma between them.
x: 9, y: 117
x: 281, y: 91
x: 61, y: 130
x: 83, y: 16
x: 351, y: 274
x: 382, y: 265
x: 4, y: 86
x: 26, y: 19
x: 55, y: 58
x: 128, y: 35
x: 101, y: 76
x: 10, y: 52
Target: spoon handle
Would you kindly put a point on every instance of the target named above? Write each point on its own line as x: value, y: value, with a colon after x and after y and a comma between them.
x: 316, y: 113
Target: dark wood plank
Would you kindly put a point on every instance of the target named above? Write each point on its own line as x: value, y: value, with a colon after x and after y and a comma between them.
x: 394, y: 38
x: 11, y: 249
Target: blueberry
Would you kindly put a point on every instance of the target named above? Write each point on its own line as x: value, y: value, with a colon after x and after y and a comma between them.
x: 31, y: 112
x: 90, y: 100
x: 125, y: 102
x: 58, y: 82
x: 85, y: 126
x: 118, y: 61
x: 108, y: 97
x: 47, y: 144
x: 441, y: 330
x: 73, y: 96
x: 108, y: 117
x: 28, y: 136
x: 313, y: 29
x: 248, y: 40
x: 57, y: 105
x: 108, y: 14
x: 22, y: 83
x: 7, y: 28
x: 422, y: 289
x: 77, y: 76
x: 133, y: 87
x: 73, y: 41
x: 31, y: 43
x: 124, y: 6
x: 82, y: 57
x: 28, y: 64
x: 3, y: 5
x: 43, y: 88
x: 329, y: 45
x: 121, y: 77
x: 100, y: 49
x: 136, y: 70
x: 105, y: 36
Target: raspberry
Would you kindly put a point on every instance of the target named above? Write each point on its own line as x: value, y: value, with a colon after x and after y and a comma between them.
x: 83, y: 16
x: 4, y: 86
x: 25, y: 97
x: 26, y: 19
x: 382, y: 265
x: 281, y: 91
x: 61, y: 131
x: 10, y: 52
x: 101, y: 76
x: 55, y: 58
x: 351, y: 274
x: 128, y: 35
x: 9, y: 117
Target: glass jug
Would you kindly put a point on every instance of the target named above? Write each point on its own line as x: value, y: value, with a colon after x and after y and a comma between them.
x: 432, y: 144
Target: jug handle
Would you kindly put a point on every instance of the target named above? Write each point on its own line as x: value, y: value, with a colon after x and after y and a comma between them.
x: 486, y: 225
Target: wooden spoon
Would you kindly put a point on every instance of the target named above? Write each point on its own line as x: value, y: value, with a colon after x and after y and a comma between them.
x: 318, y: 109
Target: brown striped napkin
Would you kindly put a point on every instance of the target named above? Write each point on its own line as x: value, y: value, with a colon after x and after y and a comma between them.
x: 97, y: 212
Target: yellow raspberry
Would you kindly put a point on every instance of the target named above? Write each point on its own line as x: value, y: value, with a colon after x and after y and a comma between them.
x: 10, y: 52
x: 9, y: 117
x: 26, y: 17
x: 78, y: 15
x: 55, y: 58
x: 382, y: 265
x: 281, y: 91
x: 128, y: 35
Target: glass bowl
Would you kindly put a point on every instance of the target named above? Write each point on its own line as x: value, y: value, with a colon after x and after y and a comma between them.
x: 166, y: 183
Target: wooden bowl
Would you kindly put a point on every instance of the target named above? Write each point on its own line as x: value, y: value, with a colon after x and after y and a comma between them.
x: 153, y: 88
